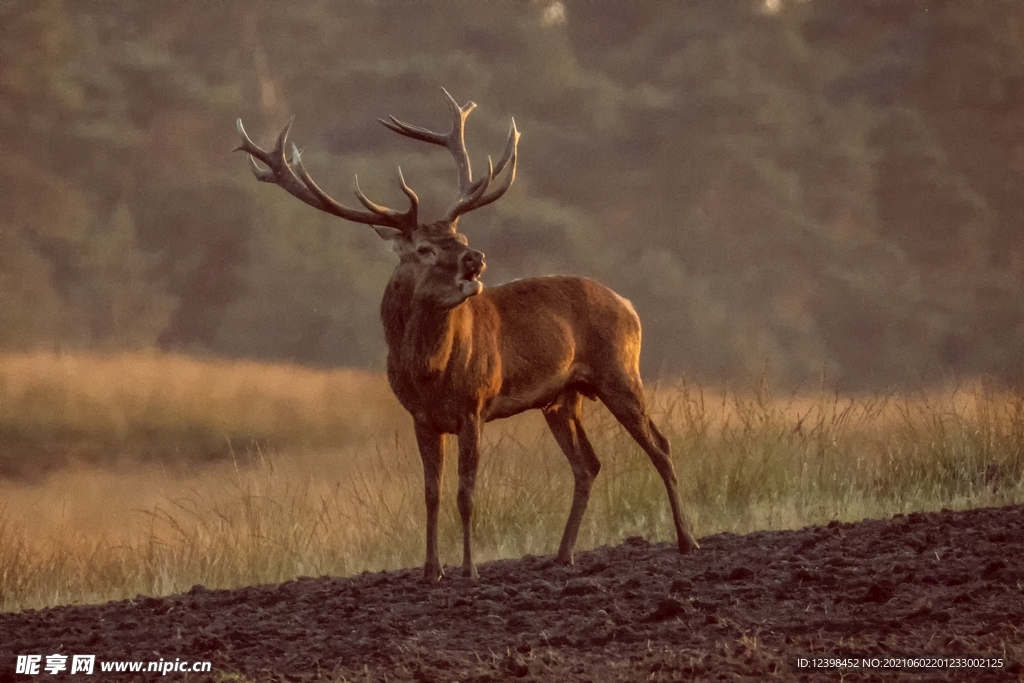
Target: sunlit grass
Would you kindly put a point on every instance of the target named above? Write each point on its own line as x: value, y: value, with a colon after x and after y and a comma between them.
x: 327, y: 479
x: 57, y: 408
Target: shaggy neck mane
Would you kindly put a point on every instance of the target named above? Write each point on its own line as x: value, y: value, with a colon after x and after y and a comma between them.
x: 420, y: 338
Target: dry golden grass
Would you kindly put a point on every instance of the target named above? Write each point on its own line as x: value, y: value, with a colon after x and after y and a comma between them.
x: 317, y: 471
x: 60, y: 407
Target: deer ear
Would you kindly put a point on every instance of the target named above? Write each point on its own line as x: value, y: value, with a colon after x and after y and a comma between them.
x: 387, y: 234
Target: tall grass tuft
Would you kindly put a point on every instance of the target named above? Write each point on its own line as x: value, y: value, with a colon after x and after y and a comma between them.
x: 323, y: 477
x: 58, y: 409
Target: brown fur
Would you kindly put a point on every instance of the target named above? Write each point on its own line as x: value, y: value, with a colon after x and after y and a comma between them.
x: 538, y: 343
x: 459, y: 356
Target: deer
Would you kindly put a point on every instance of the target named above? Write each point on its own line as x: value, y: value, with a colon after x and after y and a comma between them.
x: 460, y: 355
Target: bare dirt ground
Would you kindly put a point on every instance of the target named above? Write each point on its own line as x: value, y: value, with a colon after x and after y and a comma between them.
x: 950, y: 584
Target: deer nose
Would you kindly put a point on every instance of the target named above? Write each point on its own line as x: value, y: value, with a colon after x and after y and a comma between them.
x: 473, y: 261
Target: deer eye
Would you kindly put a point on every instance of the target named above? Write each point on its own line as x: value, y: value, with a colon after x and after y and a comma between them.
x: 425, y: 251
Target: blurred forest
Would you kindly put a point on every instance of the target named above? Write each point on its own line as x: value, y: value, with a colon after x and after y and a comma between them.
x: 803, y: 188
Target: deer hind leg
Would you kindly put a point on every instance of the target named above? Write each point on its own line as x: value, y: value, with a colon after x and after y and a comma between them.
x: 625, y: 400
x: 469, y: 461
x: 431, y: 444
x: 563, y: 418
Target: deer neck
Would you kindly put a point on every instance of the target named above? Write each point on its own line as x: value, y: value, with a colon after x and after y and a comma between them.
x: 395, y: 310
x: 421, y: 339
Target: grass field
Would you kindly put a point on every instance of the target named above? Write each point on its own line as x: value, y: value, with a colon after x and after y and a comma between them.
x: 148, y: 473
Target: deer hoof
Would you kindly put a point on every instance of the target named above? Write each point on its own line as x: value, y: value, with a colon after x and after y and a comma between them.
x: 470, y: 572
x: 687, y: 547
x: 431, y: 574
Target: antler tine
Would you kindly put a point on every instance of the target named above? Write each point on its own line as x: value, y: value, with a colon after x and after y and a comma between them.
x: 510, y: 147
x: 456, y: 109
x: 383, y: 211
x: 282, y: 140
x: 457, y: 142
x: 292, y: 177
x: 247, y: 144
x: 278, y: 170
x: 415, y: 132
x: 479, y: 199
x: 254, y: 152
x: 262, y: 174
x: 406, y: 189
x: 381, y: 215
x: 454, y: 141
x: 466, y: 202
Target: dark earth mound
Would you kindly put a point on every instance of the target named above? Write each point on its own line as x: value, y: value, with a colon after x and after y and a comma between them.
x: 742, y: 608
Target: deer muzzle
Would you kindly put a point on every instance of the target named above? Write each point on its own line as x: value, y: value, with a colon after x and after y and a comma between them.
x: 472, y: 266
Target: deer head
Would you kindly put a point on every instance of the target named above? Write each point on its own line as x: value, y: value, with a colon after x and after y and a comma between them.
x: 434, y: 259
x: 444, y: 270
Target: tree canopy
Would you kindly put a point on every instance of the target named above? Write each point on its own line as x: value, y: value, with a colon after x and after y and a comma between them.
x: 805, y: 188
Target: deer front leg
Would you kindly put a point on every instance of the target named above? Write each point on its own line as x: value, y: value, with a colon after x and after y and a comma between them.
x: 469, y: 460
x: 431, y: 443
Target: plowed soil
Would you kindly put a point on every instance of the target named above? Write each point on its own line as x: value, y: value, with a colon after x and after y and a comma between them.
x: 742, y: 608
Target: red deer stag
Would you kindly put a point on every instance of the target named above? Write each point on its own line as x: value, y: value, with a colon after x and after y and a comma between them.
x: 460, y: 355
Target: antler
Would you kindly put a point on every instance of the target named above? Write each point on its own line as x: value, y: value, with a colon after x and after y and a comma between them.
x: 290, y: 174
x: 472, y: 195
